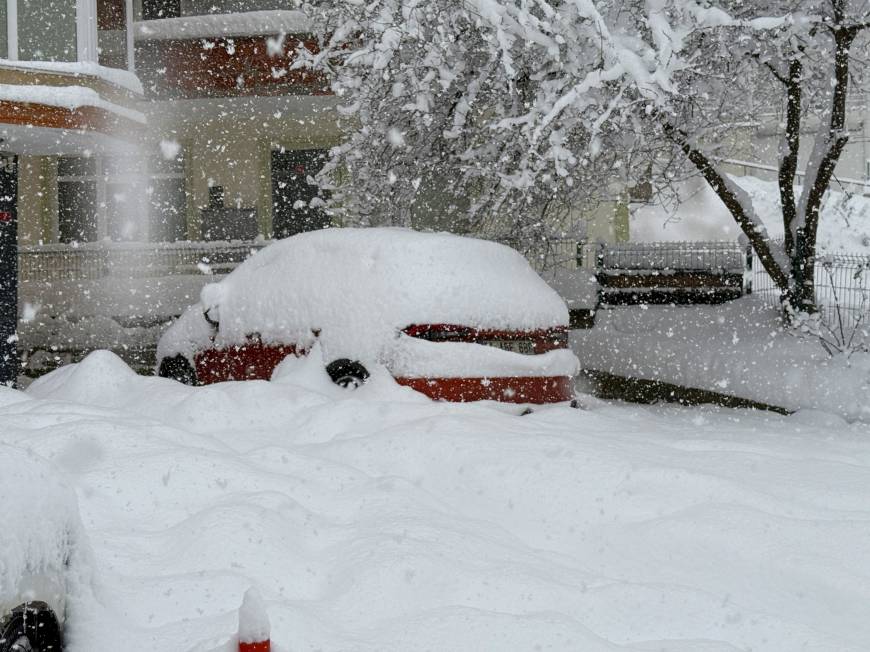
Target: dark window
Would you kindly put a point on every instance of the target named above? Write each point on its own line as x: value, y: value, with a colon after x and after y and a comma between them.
x: 292, y: 193
x: 77, y: 210
x: 77, y: 199
x: 76, y: 166
x: 112, y: 33
x: 168, y: 203
x: 155, y: 9
x: 168, y: 210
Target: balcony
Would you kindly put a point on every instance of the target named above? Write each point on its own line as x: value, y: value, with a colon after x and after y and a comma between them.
x: 64, y: 81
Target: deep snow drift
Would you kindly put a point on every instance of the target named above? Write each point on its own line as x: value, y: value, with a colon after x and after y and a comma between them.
x: 739, y: 349
x: 378, y: 520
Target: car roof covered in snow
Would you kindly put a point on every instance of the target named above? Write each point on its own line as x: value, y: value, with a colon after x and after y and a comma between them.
x: 358, y: 286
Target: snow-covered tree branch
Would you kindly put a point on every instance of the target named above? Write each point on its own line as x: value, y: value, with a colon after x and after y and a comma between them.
x: 499, y: 114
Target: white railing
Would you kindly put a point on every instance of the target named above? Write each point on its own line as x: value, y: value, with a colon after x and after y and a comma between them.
x: 95, y: 260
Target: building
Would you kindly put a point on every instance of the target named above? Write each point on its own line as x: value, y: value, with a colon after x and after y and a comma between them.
x: 225, y: 132
x: 67, y: 99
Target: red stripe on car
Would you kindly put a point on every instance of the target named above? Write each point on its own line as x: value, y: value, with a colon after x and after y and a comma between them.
x: 510, y: 389
x: 254, y: 361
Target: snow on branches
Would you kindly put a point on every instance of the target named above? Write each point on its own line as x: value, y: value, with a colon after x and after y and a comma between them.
x: 507, y: 115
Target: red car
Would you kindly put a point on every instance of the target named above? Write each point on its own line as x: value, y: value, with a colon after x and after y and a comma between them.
x: 455, y: 318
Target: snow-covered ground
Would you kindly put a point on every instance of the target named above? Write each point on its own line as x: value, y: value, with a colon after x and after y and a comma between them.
x: 739, y: 348
x: 378, y: 520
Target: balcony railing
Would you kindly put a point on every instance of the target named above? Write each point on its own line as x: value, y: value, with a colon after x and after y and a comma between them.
x: 91, y: 261
x: 97, y: 260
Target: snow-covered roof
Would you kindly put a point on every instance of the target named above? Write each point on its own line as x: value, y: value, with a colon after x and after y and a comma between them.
x: 67, y: 97
x: 360, y: 286
x: 122, y: 78
x: 250, y: 23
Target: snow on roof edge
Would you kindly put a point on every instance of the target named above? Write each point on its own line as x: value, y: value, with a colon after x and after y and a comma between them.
x: 66, y: 97
x: 115, y: 76
x: 250, y: 23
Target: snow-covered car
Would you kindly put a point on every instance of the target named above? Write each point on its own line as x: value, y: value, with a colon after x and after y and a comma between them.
x: 40, y: 525
x: 456, y: 318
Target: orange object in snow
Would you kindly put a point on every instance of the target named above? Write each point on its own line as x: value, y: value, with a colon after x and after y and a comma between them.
x: 261, y: 646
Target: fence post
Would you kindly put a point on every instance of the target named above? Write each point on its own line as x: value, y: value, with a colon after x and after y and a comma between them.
x: 747, y: 270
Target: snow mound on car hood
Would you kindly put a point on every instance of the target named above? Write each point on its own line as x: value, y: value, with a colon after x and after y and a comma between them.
x: 359, y: 286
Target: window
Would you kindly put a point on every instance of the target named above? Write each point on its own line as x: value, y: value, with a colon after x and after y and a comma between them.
x: 101, y: 197
x: 156, y: 9
x: 96, y: 31
x: 122, y: 198
x: 294, y: 209
x: 4, y: 31
x: 77, y: 213
x: 112, y: 33
x: 168, y: 222
x: 47, y: 31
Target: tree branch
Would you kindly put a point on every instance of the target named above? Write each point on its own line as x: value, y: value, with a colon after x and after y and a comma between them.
x: 776, y: 73
x: 757, y: 238
x: 836, y: 137
x: 791, y: 146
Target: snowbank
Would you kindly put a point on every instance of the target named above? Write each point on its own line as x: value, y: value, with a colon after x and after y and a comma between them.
x: 40, y: 520
x: 375, y: 520
x: 359, y: 287
x: 250, y: 23
x: 844, y: 224
x: 739, y: 349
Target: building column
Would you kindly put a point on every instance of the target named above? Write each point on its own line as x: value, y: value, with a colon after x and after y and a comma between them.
x: 8, y: 269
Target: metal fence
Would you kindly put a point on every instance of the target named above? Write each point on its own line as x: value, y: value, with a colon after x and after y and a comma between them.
x: 842, y: 284
x: 631, y: 273
x: 714, y: 256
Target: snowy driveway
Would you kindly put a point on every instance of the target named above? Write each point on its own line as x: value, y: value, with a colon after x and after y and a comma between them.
x: 378, y: 520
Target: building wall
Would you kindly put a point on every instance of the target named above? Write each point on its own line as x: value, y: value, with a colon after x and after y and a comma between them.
x: 37, y: 199
x: 761, y: 144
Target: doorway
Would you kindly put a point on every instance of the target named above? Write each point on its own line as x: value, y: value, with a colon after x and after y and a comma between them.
x: 292, y: 194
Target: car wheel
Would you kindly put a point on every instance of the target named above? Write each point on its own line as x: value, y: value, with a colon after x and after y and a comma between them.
x: 347, y: 373
x: 178, y: 368
x: 30, y: 627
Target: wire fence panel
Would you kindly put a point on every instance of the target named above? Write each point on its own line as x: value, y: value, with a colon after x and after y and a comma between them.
x: 842, y: 284
x: 631, y: 273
